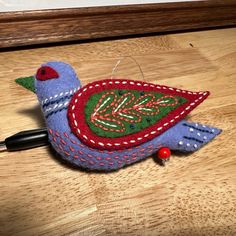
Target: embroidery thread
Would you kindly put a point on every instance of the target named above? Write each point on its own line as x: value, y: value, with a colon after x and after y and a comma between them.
x: 112, y: 113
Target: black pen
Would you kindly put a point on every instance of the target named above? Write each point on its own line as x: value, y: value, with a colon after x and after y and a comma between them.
x: 25, y: 140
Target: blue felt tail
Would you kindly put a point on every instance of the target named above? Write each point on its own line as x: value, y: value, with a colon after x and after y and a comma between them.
x: 189, y: 137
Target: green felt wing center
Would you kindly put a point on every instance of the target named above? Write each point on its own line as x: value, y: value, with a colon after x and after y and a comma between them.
x: 116, y: 113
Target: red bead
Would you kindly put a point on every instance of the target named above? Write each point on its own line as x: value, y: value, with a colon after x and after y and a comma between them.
x: 164, y: 153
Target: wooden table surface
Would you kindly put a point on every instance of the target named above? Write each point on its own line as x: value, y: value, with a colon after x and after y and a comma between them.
x: 192, y: 195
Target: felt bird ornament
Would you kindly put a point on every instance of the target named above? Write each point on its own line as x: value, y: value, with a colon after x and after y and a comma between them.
x: 108, y: 124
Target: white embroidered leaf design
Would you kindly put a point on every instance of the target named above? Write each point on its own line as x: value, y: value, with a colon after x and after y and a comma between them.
x: 104, y: 103
x: 111, y: 112
x: 145, y: 105
x: 108, y: 124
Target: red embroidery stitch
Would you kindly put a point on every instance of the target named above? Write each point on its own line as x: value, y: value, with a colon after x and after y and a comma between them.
x: 125, y: 157
x: 63, y: 142
x: 60, y: 147
x: 67, y: 153
x: 73, y: 141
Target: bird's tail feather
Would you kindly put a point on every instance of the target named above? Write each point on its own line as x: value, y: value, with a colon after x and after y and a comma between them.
x: 189, y: 137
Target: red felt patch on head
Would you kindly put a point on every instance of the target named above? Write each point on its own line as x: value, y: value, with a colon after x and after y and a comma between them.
x: 46, y: 73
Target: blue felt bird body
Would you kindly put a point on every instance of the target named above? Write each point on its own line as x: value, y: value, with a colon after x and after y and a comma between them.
x: 108, y: 124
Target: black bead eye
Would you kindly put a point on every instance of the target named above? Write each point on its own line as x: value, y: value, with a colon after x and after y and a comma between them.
x: 132, y: 126
x: 120, y: 92
x: 142, y: 93
x: 148, y: 119
x: 43, y: 72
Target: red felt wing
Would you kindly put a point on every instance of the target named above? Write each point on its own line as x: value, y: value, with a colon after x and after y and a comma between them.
x: 79, y: 126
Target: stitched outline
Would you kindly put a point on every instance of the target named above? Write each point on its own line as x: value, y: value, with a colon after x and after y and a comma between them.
x: 195, y: 98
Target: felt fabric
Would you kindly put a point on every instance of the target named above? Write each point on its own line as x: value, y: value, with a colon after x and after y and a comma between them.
x: 77, y: 116
x: 179, y: 137
x: 46, y: 73
x: 53, y: 89
x: 26, y: 82
x: 183, y: 136
x: 116, y: 113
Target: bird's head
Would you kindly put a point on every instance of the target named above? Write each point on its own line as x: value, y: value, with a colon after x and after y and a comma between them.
x: 55, y: 78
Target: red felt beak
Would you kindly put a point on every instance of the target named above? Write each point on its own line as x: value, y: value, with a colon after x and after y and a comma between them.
x: 46, y: 73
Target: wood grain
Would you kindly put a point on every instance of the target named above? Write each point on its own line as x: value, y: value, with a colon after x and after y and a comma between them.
x: 46, y: 26
x: 193, y: 195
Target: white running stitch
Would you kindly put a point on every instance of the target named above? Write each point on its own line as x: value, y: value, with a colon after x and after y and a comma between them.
x: 141, y: 102
x: 145, y: 109
x: 120, y: 104
x: 100, y: 106
x: 56, y: 95
x: 102, y: 122
x: 121, y: 114
x: 56, y: 106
